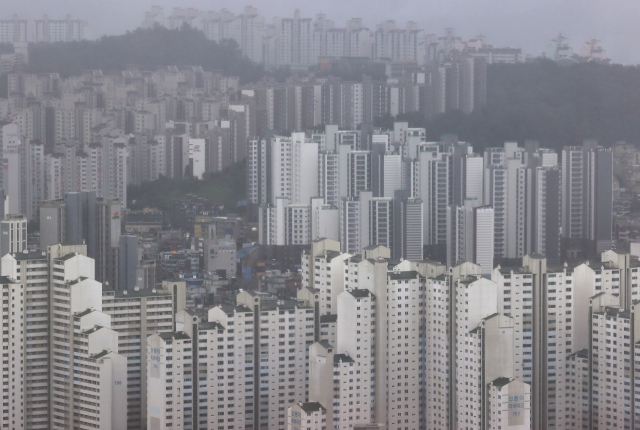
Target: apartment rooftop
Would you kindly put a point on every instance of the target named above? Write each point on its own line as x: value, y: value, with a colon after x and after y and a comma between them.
x: 83, y: 313
x: 206, y: 325
x: 360, y: 293
x: 408, y: 274
x: 311, y: 407
x: 330, y: 318
x: 583, y: 353
x: 180, y: 335
x: 337, y: 358
x: 500, y: 382
x: 30, y: 255
x: 100, y: 354
x: 93, y: 329
x: 124, y: 294
x: 229, y: 309
x: 66, y: 257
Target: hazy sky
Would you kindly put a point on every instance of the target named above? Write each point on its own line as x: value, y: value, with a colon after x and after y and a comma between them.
x: 528, y: 24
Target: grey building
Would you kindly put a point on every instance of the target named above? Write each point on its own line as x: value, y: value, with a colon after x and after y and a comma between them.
x: 95, y: 222
x: 53, y: 223
x: 407, y: 225
x: 4, y: 203
x: 587, y: 200
x: 128, y: 262
x: 81, y: 220
x: 220, y: 254
x: 108, y: 240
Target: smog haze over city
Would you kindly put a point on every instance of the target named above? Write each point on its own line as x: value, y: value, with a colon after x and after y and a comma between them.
x: 302, y: 215
x: 526, y: 24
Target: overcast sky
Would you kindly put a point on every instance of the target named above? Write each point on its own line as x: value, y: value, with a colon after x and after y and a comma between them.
x: 528, y: 24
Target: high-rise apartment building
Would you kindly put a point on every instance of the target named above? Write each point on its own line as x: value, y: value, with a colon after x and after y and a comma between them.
x: 67, y: 30
x: 27, y: 360
x: 60, y: 292
x: 586, y: 197
x: 323, y: 270
x: 136, y: 315
x: 612, y: 364
x: 14, y: 30
x: 266, y: 371
x: 13, y: 234
x: 108, y: 240
x: 540, y: 299
x: 53, y: 223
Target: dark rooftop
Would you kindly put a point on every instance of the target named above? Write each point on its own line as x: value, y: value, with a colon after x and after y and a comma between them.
x: 501, y: 382
x: 326, y: 344
x: 174, y: 335
x: 311, y: 407
x: 67, y: 257
x: 410, y: 274
x: 583, y: 353
x: 83, y: 313
x: 355, y: 258
x: 93, y: 329
x: 33, y: 255
x: 100, y: 354
x: 342, y: 357
x: 370, y: 247
x: 205, y: 325
x: 328, y: 318
x: 360, y: 292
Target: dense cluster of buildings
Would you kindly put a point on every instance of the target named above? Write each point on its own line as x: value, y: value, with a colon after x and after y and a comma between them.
x: 301, y: 42
x: 436, y: 199
x: 43, y: 30
x: 103, y: 132
x: 385, y: 342
x: 367, y: 341
x: 77, y: 357
x: 373, y: 341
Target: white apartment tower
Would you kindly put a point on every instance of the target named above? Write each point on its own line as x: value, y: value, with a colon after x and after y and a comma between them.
x: 325, y: 220
x: 169, y: 380
x: 614, y: 333
x: 540, y: 299
x: 485, y: 361
x: 26, y: 332
x: 307, y: 416
x: 60, y: 292
x: 250, y: 361
x: 323, y: 269
x: 13, y: 234
x: 136, y: 315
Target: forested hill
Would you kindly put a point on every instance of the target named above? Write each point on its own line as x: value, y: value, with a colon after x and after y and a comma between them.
x: 145, y: 49
x: 557, y: 105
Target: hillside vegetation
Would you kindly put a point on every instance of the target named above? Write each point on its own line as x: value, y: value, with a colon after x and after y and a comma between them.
x: 228, y: 187
x: 553, y: 104
x: 145, y: 49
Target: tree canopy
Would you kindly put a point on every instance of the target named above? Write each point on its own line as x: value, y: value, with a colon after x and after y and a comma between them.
x: 145, y: 49
x: 557, y: 105
x: 227, y: 186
